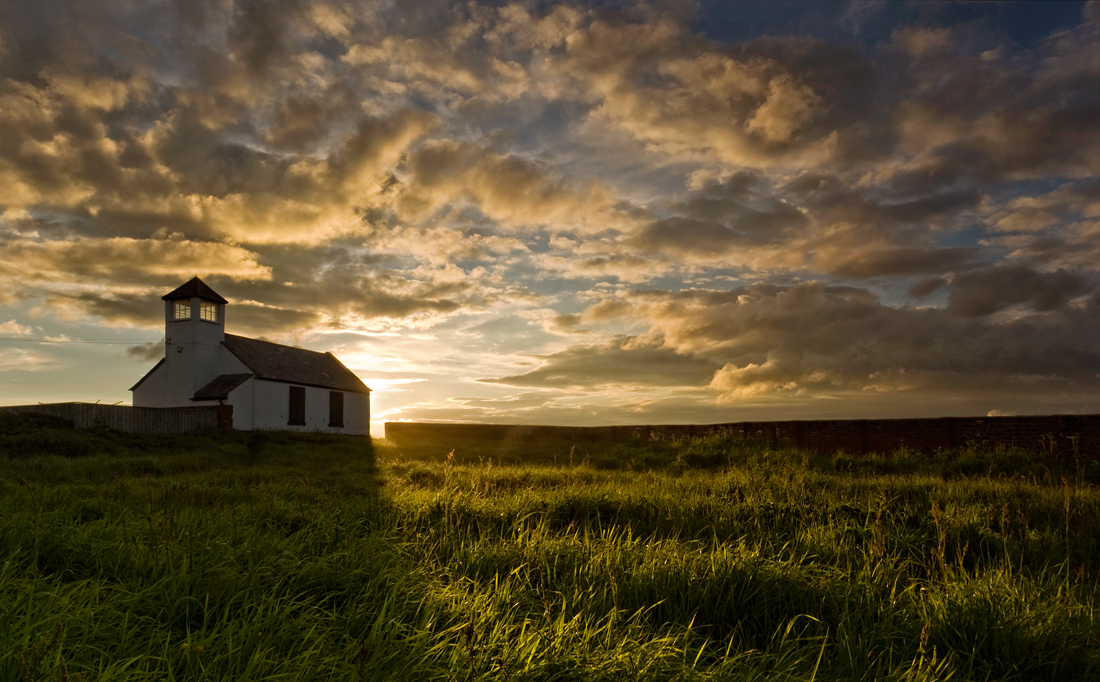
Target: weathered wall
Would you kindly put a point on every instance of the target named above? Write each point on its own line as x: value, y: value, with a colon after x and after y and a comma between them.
x: 137, y: 419
x: 1060, y: 434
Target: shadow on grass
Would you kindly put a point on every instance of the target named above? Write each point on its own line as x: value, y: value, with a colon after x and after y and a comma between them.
x: 218, y: 555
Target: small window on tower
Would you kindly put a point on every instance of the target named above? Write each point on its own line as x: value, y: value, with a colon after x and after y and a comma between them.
x: 208, y: 311
x: 183, y: 310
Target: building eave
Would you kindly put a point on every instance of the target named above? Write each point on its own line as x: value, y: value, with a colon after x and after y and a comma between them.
x: 368, y: 391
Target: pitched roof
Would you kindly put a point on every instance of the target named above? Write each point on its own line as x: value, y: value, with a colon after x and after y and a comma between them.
x: 219, y: 388
x: 293, y: 365
x: 194, y: 287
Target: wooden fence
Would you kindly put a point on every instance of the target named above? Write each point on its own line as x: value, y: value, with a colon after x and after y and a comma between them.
x: 136, y: 419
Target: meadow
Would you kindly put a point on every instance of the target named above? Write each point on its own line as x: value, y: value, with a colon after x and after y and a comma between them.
x: 310, y: 557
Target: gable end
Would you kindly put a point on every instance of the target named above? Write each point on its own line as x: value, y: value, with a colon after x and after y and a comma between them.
x: 148, y: 374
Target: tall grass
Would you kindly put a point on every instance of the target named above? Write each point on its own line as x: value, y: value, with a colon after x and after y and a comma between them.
x: 320, y: 557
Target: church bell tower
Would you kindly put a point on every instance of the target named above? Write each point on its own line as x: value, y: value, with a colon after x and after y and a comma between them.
x: 194, y: 328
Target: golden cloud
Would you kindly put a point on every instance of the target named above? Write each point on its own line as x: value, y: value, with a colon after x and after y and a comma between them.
x: 514, y: 192
x: 82, y: 260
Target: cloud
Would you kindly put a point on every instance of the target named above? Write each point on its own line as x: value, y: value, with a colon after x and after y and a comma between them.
x: 969, y: 112
x: 804, y: 224
x: 139, y: 259
x: 813, y: 339
x: 13, y: 328
x: 250, y: 195
x: 1058, y: 229
x: 679, y: 95
x: 270, y: 321
x: 988, y: 291
x: 694, y: 215
x: 27, y: 360
x: 622, y: 361
x: 515, y: 193
x: 73, y: 304
x: 877, y: 262
x: 737, y: 213
x: 146, y: 352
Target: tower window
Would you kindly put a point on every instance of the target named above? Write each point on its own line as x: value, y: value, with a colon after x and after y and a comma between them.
x: 208, y: 311
x: 183, y: 310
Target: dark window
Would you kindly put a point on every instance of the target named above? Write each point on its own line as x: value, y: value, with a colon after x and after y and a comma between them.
x: 297, y: 406
x: 335, y: 408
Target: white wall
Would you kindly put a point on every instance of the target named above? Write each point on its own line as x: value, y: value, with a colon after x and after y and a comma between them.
x: 173, y: 383
x: 243, y: 400
x: 194, y: 356
x: 262, y: 404
x: 186, y: 369
x: 229, y: 364
x: 357, y: 413
x: 183, y: 373
x: 156, y: 390
x: 272, y: 408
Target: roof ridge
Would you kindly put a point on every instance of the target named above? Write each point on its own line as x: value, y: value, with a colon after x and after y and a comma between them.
x: 194, y: 287
x: 281, y: 345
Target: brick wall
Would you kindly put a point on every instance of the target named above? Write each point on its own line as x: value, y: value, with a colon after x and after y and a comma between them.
x: 1056, y: 434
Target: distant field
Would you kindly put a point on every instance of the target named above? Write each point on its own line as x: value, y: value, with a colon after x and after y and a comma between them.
x: 311, y: 557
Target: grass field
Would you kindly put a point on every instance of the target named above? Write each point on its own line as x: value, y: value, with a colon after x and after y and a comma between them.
x: 247, y: 557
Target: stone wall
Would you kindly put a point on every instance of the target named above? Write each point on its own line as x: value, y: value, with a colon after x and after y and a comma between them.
x: 1061, y: 435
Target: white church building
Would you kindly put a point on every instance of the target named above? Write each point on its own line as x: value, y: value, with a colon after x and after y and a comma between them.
x: 270, y: 386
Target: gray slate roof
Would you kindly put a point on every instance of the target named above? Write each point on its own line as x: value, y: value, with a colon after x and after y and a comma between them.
x: 219, y: 388
x: 194, y: 287
x: 293, y: 365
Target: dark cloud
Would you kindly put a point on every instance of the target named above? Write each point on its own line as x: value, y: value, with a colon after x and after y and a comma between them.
x: 974, y: 112
x: 926, y: 286
x: 839, y: 74
x: 684, y: 235
x: 567, y: 323
x: 146, y: 352
x: 904, y: 261
x: 259, y: 31
x: 251, y: 319
x: 816, y: 338
x: 974, y: 294
x: 862, y: 208
x: 623, y: 361
x: 294, y: 123
x: 112, y: 308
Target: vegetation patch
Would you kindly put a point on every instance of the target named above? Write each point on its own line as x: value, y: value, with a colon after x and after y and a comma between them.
x: 282, y: 556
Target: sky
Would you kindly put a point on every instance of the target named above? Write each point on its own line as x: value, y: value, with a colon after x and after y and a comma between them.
x: 565, y: 212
